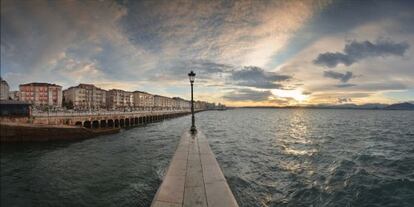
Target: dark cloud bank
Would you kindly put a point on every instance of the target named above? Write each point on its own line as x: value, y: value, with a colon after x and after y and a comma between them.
x: 256, y: 77
x: 343, y: 77
x: 244, y: 94
x: 355, y: 51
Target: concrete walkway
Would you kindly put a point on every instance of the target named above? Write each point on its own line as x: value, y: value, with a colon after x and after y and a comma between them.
x: 194, y: 177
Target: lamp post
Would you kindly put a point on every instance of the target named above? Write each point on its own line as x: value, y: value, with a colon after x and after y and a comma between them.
x: 193, y: 129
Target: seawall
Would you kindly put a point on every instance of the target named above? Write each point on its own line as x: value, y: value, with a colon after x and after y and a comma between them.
x: 55, y: 128
x: 42, y: 133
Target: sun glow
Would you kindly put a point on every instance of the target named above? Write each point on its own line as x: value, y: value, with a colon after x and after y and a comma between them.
x: 296, y: 94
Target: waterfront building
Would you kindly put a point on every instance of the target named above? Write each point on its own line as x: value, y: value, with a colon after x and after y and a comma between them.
x: 201, y: 105
x: 162, y: 102
x: 180, y: 104
x: 119, y: 99
x: 143, y: 100
x: 85, y: 97
x: 169, y: 103
x: 4, y: 90
x: 41, y: 94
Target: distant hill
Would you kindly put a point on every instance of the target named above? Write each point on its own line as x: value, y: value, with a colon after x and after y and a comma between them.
x: 350, y: 106
x: 370, y: 106
x: 400, y: 106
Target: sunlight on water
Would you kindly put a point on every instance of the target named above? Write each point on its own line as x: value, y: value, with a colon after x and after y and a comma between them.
x: 296, y: 157
x: 298, y: 141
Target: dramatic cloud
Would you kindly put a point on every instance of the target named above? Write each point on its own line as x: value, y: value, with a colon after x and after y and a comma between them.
x: 247, y: 95
x: 258, y: 78
x: 355, y: 51
x: 152, y: 45
x: 343, y: 77
x: 177, y: 70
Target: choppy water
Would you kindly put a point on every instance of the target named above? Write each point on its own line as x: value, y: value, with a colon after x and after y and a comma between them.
x: 270, y: 157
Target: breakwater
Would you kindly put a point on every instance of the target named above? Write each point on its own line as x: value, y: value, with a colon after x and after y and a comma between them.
x: 43, y: 133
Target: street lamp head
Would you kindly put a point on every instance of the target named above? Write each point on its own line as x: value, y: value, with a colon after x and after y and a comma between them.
x: 191, y: 75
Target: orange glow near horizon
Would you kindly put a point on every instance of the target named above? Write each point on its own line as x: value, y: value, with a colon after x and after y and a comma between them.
x: 296, y: 94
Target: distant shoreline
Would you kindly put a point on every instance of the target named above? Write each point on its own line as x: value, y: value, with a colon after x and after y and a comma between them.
x: 296, y: 107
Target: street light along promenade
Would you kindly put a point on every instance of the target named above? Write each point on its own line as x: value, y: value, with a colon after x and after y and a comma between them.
x: 191, y: 76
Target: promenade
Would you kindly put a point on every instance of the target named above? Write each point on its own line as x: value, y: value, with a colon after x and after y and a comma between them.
x: 194, y: 177
x: 103, y: 119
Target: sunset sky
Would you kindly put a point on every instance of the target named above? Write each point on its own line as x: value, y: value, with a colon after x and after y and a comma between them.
x: 244, y: 52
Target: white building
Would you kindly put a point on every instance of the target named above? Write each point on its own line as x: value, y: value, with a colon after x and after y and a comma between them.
x: 181, y: 104
x: 4, y: 90
x: 85, y: 97
x: 143, y: 100
x: 119, y: 99
x: 162, y: 102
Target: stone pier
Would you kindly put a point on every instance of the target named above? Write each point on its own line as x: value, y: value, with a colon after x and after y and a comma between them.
x: 194, y: 177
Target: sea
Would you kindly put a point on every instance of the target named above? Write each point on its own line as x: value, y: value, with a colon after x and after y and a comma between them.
x: 270, y: 157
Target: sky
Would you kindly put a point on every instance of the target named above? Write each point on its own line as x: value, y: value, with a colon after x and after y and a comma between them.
x: 244, y: 53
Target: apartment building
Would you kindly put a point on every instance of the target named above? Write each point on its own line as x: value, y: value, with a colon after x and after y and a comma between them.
x: 200, y: 105
x: 162, y: 102
x: 85, y: 97
x: 41, y: 94
x: 4, y: 90
x: 119, y: 99
x: 181, y: 104
x: 143, y: 100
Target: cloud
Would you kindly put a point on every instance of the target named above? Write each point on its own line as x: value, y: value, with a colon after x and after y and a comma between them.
x: 39, y: 30
x: 257, y: 97
x: 203, y: 68
x: 344, y: 100
x: 247, y: 95
x: 333, y: 59
x: 343, y: 77
x: 256, y: 77
x: 152, y: 45
x: 356, y: 51
x: 345, y: 85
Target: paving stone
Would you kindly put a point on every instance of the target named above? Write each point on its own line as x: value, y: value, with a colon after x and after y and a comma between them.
x: 219, y: 195
x: 193, y: 149
x: 208, y: 159
x: 194, y: 176
x: 212, y: 173
x: 195, y: 197
x: 177, y: 167
x: 165, y: 204
x: 172, y: 189
x: 182, y: 148
x: 204, y: 148
x: 180, y: 155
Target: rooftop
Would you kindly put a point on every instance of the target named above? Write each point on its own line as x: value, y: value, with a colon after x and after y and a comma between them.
x: 86, y: 86
x: 4, y: 82
x: 40, y: 84
x: 141, y: 92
